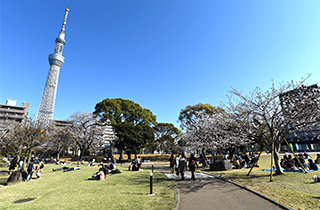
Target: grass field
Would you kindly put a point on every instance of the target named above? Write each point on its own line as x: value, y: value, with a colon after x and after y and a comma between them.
x: 295, y: 190
x: 129, y: 190
x: 73, y: 190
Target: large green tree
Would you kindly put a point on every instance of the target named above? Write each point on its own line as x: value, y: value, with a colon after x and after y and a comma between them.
x: 118, y: 110
x: 131, y: 122
x: 166, y: 135
x: 132, y: 138
x: 189, y: 115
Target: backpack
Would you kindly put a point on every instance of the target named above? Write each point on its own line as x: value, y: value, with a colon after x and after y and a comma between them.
x: 192, y: 163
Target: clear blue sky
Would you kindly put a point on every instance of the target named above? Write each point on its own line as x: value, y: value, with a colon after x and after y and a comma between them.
x: 163, y: 55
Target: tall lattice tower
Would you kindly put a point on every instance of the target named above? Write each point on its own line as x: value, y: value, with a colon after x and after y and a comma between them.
x: 56, y: 60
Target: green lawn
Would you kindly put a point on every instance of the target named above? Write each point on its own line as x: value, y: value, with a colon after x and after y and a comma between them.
x: 73, y: 190
x: 295, y: 190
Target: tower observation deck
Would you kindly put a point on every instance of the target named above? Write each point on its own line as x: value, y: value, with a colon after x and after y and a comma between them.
x: 56, y: 60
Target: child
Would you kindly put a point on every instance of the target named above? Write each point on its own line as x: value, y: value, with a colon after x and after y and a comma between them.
x: 316, y: 178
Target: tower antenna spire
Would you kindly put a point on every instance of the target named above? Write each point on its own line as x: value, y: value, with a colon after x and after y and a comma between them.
x: 65, y: 20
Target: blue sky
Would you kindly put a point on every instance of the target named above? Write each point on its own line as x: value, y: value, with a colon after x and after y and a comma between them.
x: 163, y: 55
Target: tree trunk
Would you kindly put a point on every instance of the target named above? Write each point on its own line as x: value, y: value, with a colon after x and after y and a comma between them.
x: 28, y: 156
x: 129, y: 156
x: 277, y: 146
x: 58, y: 155
x: 19, y: 152
x: 120, y: 158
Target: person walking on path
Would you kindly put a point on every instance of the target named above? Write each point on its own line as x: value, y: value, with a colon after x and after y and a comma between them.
x: 192, y: 166
x: 176, y: 163
x: 182, y: 165
x: 171, y: 161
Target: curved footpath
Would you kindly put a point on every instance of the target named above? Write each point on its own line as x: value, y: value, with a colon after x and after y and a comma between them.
x: 209, y: 192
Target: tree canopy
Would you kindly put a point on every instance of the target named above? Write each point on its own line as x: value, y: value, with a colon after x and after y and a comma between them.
x: 115, y: 111
x: 131, y: 122
x: 190, y: 114
x: 166, y: 135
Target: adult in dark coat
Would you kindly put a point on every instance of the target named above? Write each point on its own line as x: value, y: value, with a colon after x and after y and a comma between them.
x: 182, y: 165
x: 192, y: 166
x: 312, y: 165
x: 13, y: 164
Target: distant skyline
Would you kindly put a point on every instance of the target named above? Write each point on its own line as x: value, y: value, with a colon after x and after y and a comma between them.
x: 163, y: 55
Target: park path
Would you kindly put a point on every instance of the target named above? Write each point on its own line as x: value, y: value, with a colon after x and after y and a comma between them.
x: 208, y: 192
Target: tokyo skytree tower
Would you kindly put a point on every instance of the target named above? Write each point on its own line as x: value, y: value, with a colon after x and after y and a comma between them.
x: 56, y: 60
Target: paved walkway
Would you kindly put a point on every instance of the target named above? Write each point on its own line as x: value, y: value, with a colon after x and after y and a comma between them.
x: 208, y: 192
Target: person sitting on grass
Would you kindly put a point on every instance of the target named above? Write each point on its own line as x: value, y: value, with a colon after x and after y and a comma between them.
x: 312, y: 165
x: 39, y: 169
x: 138, y: 161
x: 20, y: 164
x: 99, y: 175
x: 133, y: 166
x: 307, y: 156
x: 316, y: 178
x: 31, y: 169
x: 291, y: 164
x: 317, y: 161
x: 236, y: 163
x: 106, y: 171
x: 92, y: 162
x: 253, y: 159
x: 13, y: 165
x: 112, y: 166
x: 305, y: 165
x: 246, y: 159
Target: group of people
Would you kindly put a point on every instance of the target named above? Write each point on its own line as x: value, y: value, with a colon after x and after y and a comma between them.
x: 32, y: 167
x: 104, y: 170
x: 135, y: 164
x: 292, y: 164
x: 179, y: 165
x: 242, y: 160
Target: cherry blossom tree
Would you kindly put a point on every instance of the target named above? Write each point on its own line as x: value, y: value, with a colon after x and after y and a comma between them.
x: 27, y: 135
x: 87, y: 132
x: 271, y: 114
x: 5, y: 127
x: 214, y: 131
x: 59, y: 139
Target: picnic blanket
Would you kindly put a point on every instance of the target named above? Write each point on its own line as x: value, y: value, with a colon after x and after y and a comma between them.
x: 284, y: 170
